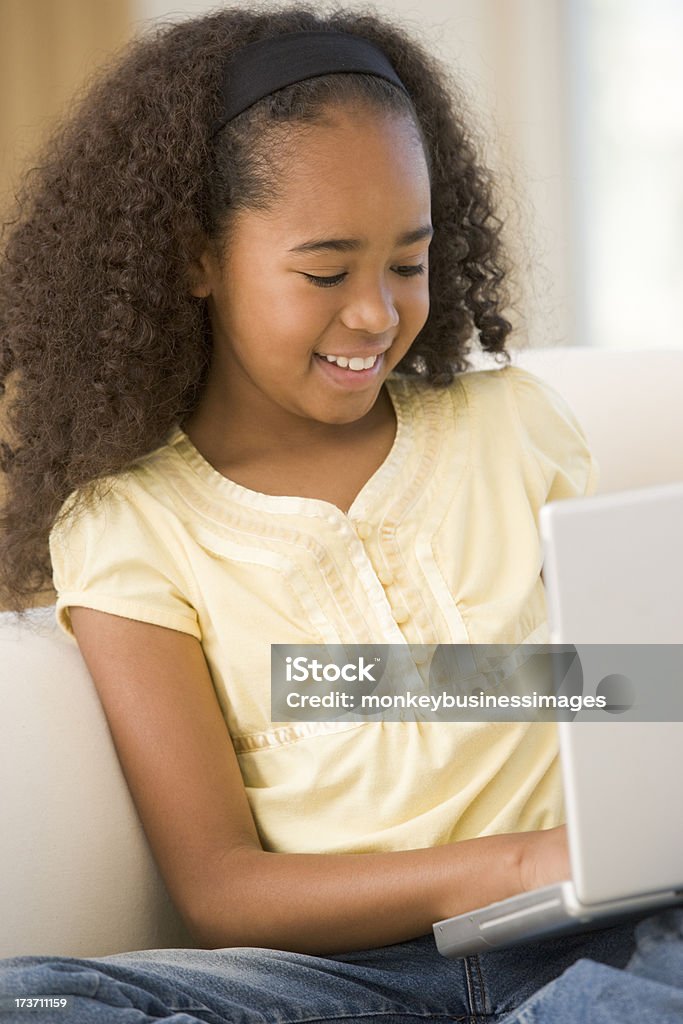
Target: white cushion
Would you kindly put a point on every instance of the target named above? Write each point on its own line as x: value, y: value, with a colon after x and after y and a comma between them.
x: 76, y: 874
x: 629, y: 404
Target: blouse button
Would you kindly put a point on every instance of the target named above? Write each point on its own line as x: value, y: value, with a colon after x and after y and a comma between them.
x: 385, y: 577
x: 363, y: 530
x: 400, y: 614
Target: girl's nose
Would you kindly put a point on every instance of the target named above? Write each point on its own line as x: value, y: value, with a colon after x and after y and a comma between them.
x: 370, y: 308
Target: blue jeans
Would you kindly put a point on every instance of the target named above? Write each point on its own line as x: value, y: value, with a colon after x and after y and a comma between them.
x: 407, y: 983
x: 649, y: 990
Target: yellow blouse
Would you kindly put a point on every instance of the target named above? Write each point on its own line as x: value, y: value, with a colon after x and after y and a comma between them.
x: 440, y: 546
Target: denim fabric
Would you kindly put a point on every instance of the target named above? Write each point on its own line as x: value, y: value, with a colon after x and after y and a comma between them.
x: 403, y: 984
x: 649, y: 991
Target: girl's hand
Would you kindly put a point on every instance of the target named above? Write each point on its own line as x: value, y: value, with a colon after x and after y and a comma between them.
x: 545, y: 858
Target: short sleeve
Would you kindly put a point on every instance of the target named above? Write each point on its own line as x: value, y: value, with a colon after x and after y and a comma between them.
x: 119, y: 558
x: 552, y: 437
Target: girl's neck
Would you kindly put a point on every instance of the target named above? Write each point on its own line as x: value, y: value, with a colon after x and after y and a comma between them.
x: 233, y: 443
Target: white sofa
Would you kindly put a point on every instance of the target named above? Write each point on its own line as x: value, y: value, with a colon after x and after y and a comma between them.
x: 76, y: 874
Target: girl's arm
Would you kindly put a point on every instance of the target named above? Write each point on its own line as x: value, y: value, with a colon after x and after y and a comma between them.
x: 182, y: 771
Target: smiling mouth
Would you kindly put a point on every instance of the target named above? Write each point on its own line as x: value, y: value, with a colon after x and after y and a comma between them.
x: 355, y: 363
x: 350, y: 370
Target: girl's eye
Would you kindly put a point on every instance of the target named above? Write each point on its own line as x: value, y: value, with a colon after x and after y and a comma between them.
x: 411, y: 270
x: 325, y: 282
x: 329, y: 282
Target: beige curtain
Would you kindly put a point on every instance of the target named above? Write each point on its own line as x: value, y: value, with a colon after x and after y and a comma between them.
x: 48, y: 49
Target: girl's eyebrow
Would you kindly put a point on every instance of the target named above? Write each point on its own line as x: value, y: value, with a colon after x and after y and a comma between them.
x: 353, y: 244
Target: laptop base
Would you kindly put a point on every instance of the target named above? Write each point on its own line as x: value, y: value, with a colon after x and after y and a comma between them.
x: 543, y: 913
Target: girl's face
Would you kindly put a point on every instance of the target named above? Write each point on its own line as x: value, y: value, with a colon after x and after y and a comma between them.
x: 337, y: 268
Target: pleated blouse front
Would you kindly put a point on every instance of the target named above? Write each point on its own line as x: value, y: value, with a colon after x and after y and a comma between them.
x: 441, y: 545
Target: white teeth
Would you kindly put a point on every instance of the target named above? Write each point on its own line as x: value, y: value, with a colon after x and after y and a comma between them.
x: 356, y: 363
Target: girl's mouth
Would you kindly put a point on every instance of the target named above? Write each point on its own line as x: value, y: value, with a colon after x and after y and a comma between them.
x: 357, y: 371
x: 355, y: 363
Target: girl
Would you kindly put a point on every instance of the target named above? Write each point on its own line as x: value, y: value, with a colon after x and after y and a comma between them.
x: 238, y: 299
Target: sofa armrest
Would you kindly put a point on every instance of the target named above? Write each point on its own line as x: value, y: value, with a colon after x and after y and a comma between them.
x: 76, y: 873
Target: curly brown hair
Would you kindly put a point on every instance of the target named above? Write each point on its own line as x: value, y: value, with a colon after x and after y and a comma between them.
x: 109, y: 348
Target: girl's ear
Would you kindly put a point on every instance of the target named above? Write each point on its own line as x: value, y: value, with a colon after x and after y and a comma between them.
x: 199, y: 275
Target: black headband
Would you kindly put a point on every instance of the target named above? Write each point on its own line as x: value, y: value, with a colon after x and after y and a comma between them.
x: 262, y: 68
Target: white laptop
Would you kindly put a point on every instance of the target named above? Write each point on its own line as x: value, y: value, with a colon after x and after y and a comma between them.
x: 613, y: 573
